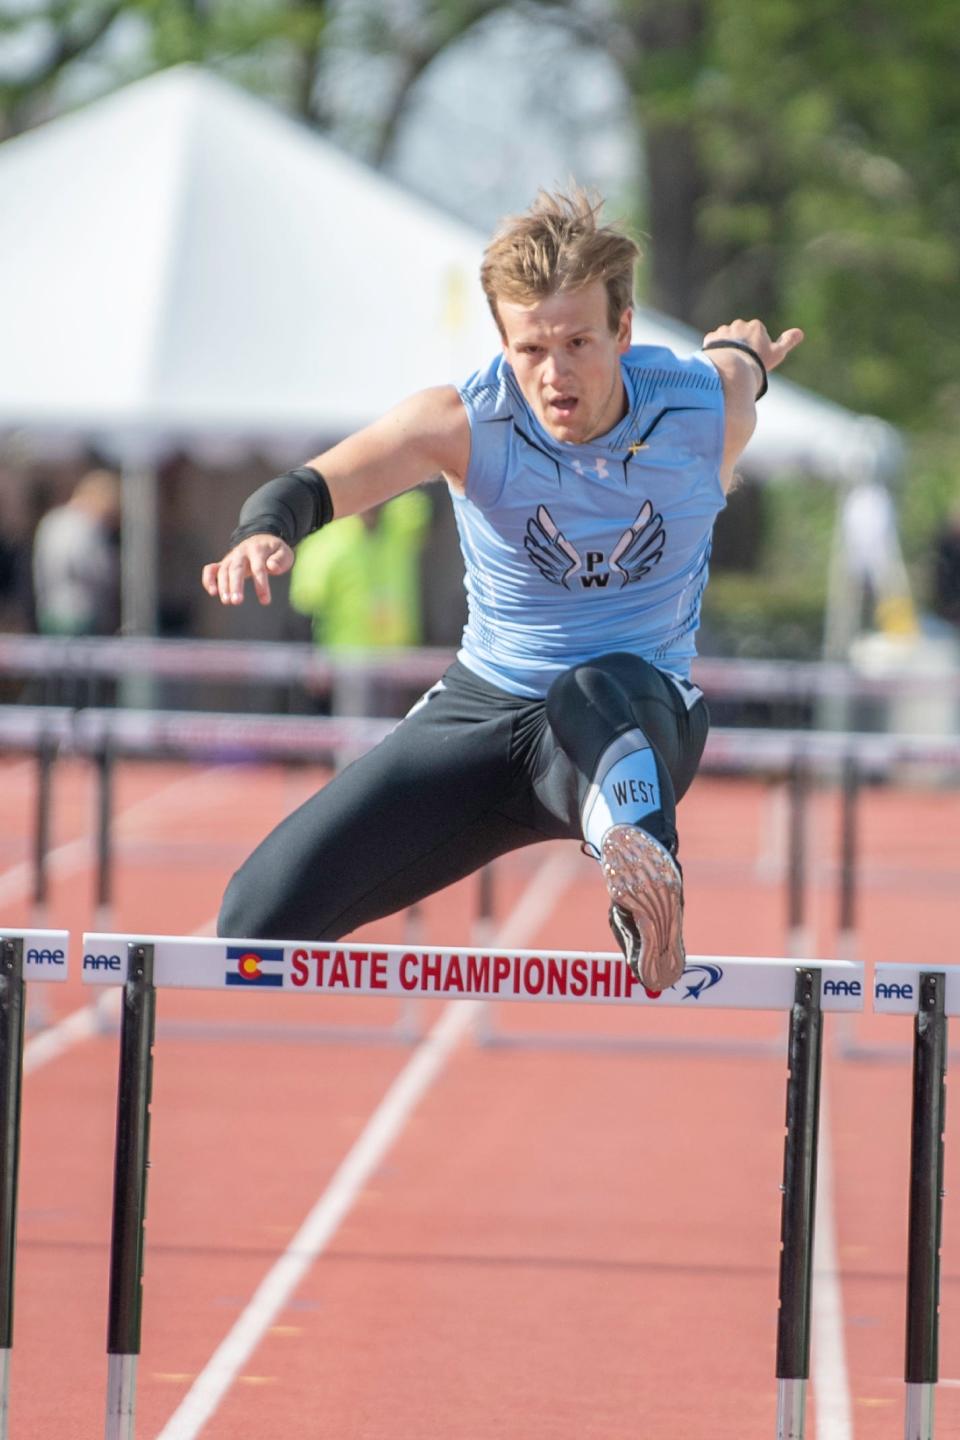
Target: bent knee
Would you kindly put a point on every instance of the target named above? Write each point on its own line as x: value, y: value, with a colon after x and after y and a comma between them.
x: 590, y: 685
x: 572, y: 688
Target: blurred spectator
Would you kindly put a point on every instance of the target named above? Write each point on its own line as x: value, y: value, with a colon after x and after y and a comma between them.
x: 946, y: 569
x: 14, y: 581
x: 359, y: 580
x: 76, y: 560
x: 180, y: 549
x: 874, y: 561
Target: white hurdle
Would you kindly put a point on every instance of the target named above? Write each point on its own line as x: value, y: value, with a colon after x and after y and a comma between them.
x: 142, y: 964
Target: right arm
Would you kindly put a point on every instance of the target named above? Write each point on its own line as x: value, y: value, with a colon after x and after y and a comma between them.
x: 738, y: 375
x: 425, y: 435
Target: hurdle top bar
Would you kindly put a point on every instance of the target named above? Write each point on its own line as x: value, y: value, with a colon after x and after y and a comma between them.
x: 896, y: 988
x: 204, y: 734
x: 46, y: 953
x: 24, y: 727
x: 360, y: 967
x: 190, y: 732
x: 274, y: 661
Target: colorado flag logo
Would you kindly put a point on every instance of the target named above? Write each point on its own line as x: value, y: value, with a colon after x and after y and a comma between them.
x: 246, y: 966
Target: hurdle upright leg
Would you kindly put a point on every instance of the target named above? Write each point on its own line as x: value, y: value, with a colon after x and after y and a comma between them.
x: 805, y: 1058
x: 130, y: 1190
x: 11, y: 1072
x: 41, y: 831
x: 850, y: 787
x: 104, y: 882
x: 926, y: 1205
x: 798, y: 934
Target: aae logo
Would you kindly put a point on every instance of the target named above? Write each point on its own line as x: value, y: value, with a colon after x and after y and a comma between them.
x: 46, y: 957
x: 892, y: 991
x: 841, y: 987
x: 101, y: 962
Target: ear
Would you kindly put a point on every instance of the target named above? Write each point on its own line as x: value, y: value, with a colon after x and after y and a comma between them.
x: 625, y: 331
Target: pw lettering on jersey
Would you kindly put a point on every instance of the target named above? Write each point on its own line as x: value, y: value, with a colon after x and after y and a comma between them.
x: 638, y: 549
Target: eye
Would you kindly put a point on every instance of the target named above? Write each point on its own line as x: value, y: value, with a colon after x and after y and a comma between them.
x: 579, y: 341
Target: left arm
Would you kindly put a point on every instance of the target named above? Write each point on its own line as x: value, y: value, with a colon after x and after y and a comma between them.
x: 742, y: 380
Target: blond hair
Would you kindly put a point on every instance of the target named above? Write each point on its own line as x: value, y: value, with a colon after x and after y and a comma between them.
x: 556, y: 245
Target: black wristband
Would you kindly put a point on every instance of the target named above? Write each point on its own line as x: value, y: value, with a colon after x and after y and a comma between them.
x: 747, y: 350
x: 291, y: 506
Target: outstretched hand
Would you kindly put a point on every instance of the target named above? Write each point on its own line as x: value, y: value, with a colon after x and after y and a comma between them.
x: 257, y: 558
x: 754, y: 333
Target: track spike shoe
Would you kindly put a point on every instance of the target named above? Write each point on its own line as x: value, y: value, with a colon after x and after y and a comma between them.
x: 646, y: 914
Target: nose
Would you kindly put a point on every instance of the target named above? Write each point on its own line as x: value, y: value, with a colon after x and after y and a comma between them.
x: 554, y: 369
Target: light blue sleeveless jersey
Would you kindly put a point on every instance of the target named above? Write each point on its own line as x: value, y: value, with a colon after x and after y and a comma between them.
x: 573, y: 551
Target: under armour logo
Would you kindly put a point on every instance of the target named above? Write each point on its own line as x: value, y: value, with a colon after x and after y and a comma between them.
x: 599, y: 468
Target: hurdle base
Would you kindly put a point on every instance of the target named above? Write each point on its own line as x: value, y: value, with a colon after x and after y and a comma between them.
x: 121, y: 1396
x: 919, y: 1412
x: 791, y: 1409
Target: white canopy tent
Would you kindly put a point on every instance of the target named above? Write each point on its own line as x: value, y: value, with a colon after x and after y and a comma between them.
x: 181, y: 266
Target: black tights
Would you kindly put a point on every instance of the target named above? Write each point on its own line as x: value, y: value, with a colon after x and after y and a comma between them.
x: 470, y: 774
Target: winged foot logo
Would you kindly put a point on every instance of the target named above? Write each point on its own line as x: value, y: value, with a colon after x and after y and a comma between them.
x: 636, y: 552
x: 694, y: 980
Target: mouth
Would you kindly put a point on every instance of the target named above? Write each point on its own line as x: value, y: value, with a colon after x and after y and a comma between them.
x: 561, y: 407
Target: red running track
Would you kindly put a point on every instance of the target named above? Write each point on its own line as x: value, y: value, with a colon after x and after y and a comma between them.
x: 575, y: 1242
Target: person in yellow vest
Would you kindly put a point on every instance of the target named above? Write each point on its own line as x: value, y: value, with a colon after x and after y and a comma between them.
x: 360, y: 581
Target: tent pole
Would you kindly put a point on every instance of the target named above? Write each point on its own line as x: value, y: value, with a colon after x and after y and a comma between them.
x: 138, y: 567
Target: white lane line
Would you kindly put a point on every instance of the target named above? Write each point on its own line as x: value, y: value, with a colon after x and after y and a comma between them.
x: 831, y: 1384
x: 771, y: 859
x: 381, y: 1131
x: 73, y: 855
x: 79, y: 1025
x: 17, y: 882
x: 89, y: 1020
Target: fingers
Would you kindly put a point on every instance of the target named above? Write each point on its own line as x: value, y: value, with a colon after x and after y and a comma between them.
x: 786, y: 342
x: 272, y: 558
x: 280, y: 557
x: 260, y: 578
x: 232, y: 574
x: 754, y: 333
x: 255, y: 559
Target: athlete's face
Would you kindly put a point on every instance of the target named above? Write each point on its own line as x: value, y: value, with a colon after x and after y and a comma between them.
x: 567, y: 360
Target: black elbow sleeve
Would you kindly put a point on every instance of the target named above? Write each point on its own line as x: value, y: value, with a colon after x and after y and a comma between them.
x: 290, y: 506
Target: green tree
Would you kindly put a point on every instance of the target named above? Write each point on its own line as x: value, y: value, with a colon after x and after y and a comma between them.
x: 818, y: 151
x: 801, y: 158
x: 49, y: 38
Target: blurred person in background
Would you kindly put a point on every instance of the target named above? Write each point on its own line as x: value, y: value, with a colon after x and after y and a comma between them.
x: 359, y: 582
x: 76, y: 560
x: 15, y: 602
x: 946, y: 569
x: 586, y: 474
